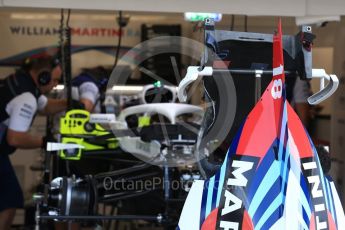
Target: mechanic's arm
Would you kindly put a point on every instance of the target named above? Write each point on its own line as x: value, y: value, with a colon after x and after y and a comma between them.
x: 54, y: 106
x: 23, y: 140
x: 301, y: 92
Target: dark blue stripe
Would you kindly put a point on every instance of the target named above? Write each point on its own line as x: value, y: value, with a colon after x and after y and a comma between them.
x: 203, y: 203
x: 215, y: 190
x: 305, y: 190
x: 284, y: 144
x: 260, y: 173
x: 305, y: 216
x: 325, y: 192
x: 267, y: 200
x: 286, y: 176
x: 273, y: 218
x: 235, y: 141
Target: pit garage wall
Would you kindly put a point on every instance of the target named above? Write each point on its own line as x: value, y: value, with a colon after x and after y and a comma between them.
x: 18, y: 34
x: 333, y: 37
x: 26, y: 32
x: 338, y: 112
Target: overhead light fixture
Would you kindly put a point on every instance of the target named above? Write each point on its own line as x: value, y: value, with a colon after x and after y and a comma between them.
x: 317, y: 20
x: 117, y: 88
x: 127, y: 88
x: 34, y: 16
x: 194, y: 17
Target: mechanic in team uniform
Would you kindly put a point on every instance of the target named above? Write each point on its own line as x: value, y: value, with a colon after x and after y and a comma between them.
x: 89, y: 88
x: 22, y: 96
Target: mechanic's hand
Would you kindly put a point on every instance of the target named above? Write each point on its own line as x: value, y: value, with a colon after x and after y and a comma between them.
x: 77, y: 105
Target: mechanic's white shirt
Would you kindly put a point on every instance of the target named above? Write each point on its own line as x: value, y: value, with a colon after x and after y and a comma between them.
x: 22, y: 109
x: 89, y: 91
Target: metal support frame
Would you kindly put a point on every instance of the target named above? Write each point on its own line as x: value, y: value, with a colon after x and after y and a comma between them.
x: 159, y: 218
x: 258, y: 75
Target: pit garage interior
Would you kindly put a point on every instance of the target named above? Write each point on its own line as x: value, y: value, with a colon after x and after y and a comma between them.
x: 134, y: 159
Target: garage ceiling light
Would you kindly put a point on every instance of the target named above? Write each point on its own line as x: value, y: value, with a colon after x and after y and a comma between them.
x: 123, y: 88
x: 127, y: 88
x: 59, y: 87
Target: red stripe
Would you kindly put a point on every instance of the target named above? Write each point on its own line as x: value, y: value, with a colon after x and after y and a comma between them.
x: 298, y: 134
x: 263, y: 124
x: 211, y: 221
x: 247, y: 223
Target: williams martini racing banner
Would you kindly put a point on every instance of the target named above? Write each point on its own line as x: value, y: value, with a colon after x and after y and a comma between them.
x: 29, y: 35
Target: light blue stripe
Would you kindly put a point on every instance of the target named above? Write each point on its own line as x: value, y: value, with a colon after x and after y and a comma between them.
x: 297, y: 172
x: 305, y: 203
x: 282, y: 132
x: 274, y: 205
x: 221, y: 180
x: 281, y: 147
x: 326, y: 192
x: 332, y: 198
x: 295, y: 167
x: 322, y: 179
x: 265, y: 185
x: 329, y: 197
x: 209, y: 196
x: 303, y: 200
